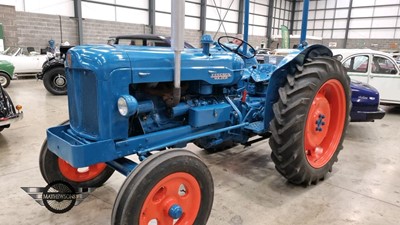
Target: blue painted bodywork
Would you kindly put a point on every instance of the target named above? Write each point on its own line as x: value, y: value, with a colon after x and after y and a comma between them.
x: 224, y: 97
x: 365, y: 100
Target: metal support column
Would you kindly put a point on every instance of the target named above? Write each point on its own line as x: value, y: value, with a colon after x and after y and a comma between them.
x: 269, y: 23
x: 203, y: 14
x: 240, y: 18
x: 152, y: 15
x: 346, y: 35
x: 78, y: 16
x: 292, y: 16
x: 246, y: 24
x: 304, y: 21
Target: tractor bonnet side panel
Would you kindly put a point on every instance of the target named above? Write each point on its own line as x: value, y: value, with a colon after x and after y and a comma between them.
x: 97, y: 76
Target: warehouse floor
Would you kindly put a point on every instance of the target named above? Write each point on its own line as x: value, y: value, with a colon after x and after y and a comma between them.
x: 364, y: 187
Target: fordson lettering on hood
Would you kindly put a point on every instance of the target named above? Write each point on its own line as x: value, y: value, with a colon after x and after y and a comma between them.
x: 220, y: 76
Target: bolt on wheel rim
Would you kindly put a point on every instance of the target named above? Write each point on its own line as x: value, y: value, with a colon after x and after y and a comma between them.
x: 325, y: 123
x: 173, y: 200
x: 80, y: 174
x: 59, y: 81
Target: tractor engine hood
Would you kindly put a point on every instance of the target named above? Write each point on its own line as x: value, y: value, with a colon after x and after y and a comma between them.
x: 99, y: 59
x: 156, y: 64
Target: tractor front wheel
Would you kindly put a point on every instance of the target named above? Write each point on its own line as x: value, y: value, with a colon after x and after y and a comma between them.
x: 53, y: 168
x: 311, y: 117
x: 170, y: 187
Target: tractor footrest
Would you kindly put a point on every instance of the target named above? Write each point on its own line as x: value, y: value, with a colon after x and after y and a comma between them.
x: 256, y: 127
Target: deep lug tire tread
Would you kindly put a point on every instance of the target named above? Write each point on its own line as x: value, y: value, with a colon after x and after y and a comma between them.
x: 291, y: 110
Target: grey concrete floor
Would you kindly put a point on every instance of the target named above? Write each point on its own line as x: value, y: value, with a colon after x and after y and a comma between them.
x: 364, y: 187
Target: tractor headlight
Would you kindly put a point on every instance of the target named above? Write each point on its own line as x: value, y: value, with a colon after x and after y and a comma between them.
x: 127, y: 105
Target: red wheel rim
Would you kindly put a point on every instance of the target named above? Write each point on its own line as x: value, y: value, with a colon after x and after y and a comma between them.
x: 176, y: 189
x: 325, y: 123
x: 80, y: 174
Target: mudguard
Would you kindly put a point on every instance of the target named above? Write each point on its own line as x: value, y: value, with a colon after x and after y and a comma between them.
x: 288, y: 66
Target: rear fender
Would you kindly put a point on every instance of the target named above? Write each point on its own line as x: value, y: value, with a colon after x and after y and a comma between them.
x: 52, y: 64
x: 288, y: 66
x: 5, y: 72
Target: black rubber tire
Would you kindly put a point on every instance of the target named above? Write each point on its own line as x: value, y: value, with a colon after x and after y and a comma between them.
x: 291, y: 110
x: 137, y: 186
x: 1, y: 129
x: 48, y: 163
x: 48, y: 81
x: 8, y: 79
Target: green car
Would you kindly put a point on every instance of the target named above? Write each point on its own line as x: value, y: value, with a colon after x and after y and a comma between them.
x: 6, y: 73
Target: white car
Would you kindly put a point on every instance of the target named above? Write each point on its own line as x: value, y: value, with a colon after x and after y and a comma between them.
x: 23, y: 62
x: 376, y: 68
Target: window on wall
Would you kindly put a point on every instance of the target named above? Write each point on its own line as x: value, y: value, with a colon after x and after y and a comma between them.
x: 362, y: 12
x: 46, y: 7
x: 338, y: 34
x: 163, y: 14
x: 321, y: 4
x: 359, y: 34
x: 342, y: 3
x: 116, y: 10
x: 363, y: 3
x: 222, y: 16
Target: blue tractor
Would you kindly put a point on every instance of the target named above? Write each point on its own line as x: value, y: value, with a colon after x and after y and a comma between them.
x: 152, y: 101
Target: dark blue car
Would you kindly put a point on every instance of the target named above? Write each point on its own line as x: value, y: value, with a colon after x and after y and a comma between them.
x: 365, y: 99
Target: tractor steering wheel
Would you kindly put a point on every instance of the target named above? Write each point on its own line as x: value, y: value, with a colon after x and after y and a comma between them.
x: 237, y: 49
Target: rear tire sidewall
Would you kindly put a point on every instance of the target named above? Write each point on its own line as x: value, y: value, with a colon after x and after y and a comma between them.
x: 290, y: 159
x: 48, y: 81
x: 136, y: 188
x: 8, y: 79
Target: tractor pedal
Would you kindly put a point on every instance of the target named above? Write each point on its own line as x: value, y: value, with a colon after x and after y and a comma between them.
x: 256, y: 127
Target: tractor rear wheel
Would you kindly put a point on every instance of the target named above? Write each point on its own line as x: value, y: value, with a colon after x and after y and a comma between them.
x: 53, y: 168
x: 311, y: 117
x: 170, y: 187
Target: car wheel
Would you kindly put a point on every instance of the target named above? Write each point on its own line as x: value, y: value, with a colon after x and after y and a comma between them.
x: 55, y: 81
x: 5, y: 80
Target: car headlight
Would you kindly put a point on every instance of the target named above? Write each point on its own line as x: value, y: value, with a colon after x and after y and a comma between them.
x: 127, y: 105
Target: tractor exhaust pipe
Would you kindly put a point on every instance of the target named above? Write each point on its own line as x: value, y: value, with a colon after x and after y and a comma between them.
x: 177, y: 43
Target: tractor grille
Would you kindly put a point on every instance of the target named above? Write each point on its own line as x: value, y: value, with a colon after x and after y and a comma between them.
x: 83, y: 105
